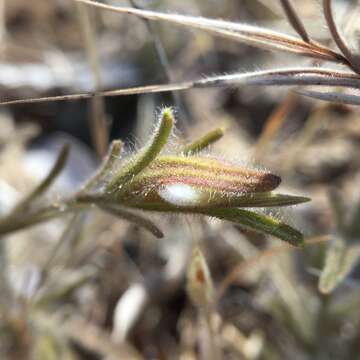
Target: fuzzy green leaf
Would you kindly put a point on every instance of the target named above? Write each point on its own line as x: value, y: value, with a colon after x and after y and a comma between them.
x: 203, y: 142
x: 106, y: 166
x: 136, y: 164
x: 265, y: 200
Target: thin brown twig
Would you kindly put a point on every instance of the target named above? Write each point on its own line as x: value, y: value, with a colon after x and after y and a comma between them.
x: 338, y: 38
x: 89, y: 95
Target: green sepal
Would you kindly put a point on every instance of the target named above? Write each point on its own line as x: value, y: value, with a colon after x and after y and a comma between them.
x: 260, y: 223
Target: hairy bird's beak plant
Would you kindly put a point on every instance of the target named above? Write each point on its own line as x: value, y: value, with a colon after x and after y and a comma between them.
x: 186, y: 182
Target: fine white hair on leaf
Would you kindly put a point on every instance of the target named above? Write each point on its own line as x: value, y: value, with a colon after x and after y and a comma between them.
x: 181, y: 194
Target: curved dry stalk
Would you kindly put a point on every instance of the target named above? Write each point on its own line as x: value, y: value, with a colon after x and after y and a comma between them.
x: 251, y: 35
x: 295, y: 20
x: 338, y: 38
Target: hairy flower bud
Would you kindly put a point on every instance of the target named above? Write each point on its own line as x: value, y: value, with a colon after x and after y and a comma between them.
x: 192, y: 183
x: 197, y: 182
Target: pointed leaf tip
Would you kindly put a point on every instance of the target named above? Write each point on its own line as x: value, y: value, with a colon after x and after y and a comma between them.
x: 140, y: 161
x: 260, y: 223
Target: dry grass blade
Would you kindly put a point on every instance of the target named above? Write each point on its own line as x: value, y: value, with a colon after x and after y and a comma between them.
x: 311, y: 76
x: 285, y: 77
x: 251, y: 35
x: 335, y: 97
x: 295, y: 20
x: 129, y: 91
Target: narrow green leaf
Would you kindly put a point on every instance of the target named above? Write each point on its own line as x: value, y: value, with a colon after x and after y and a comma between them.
x: 106, y: 166
x: 261, y: 223
x: 47, y: 182
x: 206, y: 200
x: 339, y: 261
x: 268, y: 199
x: 203, y: 142
x: 136, y: 164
